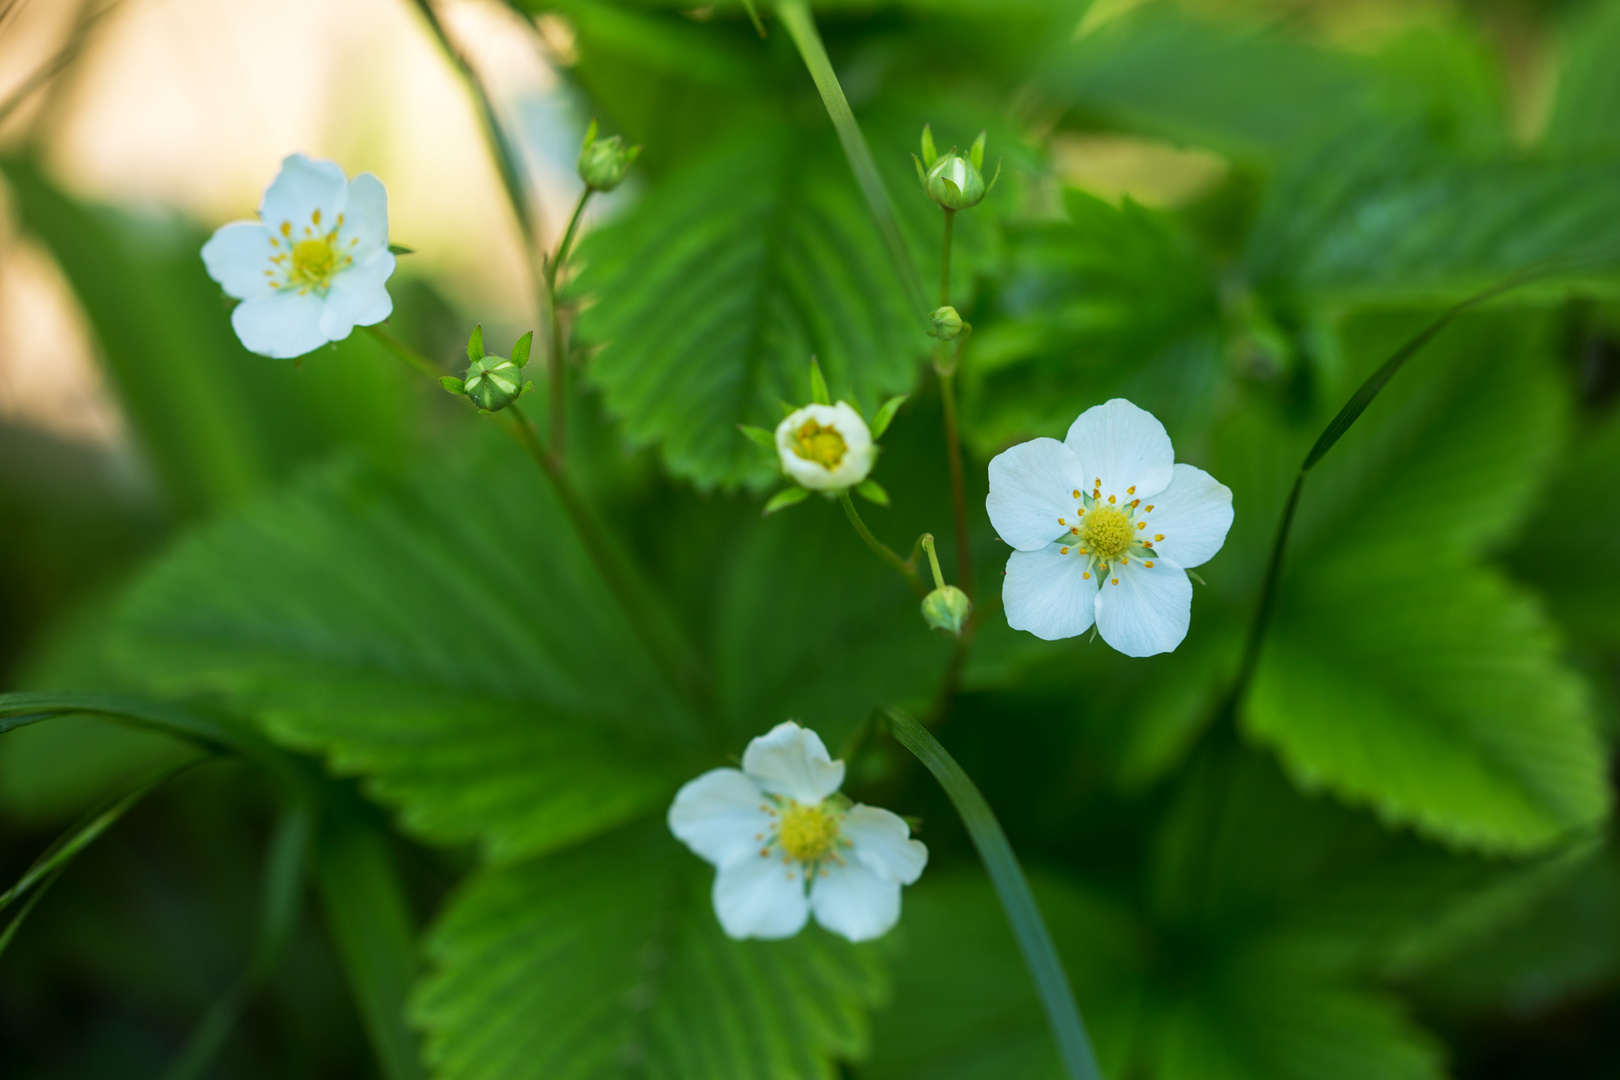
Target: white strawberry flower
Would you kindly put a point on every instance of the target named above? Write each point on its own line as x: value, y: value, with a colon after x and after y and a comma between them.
x: 1105, y: 525
x: 313, y: 266
x: 825, y: 447
x: 787, y: 845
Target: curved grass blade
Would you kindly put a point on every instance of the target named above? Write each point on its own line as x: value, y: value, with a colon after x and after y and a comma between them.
x: 370, y: 923
x: 801, y: 27
x: 55, y: 859
x: 1351, y: 412
x: 285, y: 867
x: 1023, y: 914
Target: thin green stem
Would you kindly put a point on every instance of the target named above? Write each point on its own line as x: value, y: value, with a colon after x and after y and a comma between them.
x: 404, y: 352
x: 927, y: 542
x: 1012, y: 889
x: 558, y: 371
x: 945, y: 260
x: 882, y: 550
x: 953, y: 457
x: 801, y: 27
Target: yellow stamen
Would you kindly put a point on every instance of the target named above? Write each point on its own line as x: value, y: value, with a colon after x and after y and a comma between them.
x: 823, y: 445
x: 807, y: 833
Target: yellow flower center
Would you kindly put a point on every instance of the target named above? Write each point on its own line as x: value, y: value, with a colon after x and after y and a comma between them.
x: 823, y: 445
x: 312, y: 262
x: 1105, y: 533
x: 807, y: 833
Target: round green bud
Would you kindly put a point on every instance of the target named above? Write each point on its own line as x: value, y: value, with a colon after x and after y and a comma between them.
x: 954, y: 182
x: 603, y: 162
x: 947, y: 608
x: 494, y: 382
x: 947, y: 324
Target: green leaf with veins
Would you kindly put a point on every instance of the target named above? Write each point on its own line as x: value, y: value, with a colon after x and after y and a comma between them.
x: 606, y: 961
x: 714, y: 293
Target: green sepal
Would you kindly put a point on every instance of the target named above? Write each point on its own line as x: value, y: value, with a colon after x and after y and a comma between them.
x: 922, y: 174
x: 475, y: 344
x: 885, y: 415
x: 788, y: 408
x: 759, y: 435
x: 991, y: 185
x: 954, y: 191
x: 976, y: 152
x: 1196, y: 578
x: 520, y: 351
x: 453, y: 385
x: 528, y: 386
x: 401, y: 249
x: 590, y: 134
x: 785, y: 498
x: 929, y: 154
x: 818, y: 385
x: 872, y: 492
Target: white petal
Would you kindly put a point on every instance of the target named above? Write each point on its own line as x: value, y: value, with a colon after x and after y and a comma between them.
x: 358, y: 296
x: 1032, y: 485
x: 791, y: 760
x: 281, y: 324
x: 237, y: 256
x: 1123, y: 447
x: 881, y: 842
x: 853, y: 901
x: 761, y: 897
x: 364, y: 231
x: 720, y: 816
x: 304, y: 186
x: 1045, y: 593
x: 1148, y: 612
x: 858, y: 453
x: 1193, y: 515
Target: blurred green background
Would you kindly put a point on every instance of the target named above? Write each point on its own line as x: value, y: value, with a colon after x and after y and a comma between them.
x: 1391, y: 857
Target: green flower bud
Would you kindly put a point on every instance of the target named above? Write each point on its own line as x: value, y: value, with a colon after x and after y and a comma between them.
x: 947, y: 324
x: 947, y: 608
x: 603, y: 162
x: 494, y: 382
x: 951, y: 180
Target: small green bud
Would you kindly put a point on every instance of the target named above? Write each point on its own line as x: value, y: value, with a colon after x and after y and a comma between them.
x: 494, y: 382
x: 951, y: 180
x: 947, y: 608
x: 603, y: 162
x: 947, y: 324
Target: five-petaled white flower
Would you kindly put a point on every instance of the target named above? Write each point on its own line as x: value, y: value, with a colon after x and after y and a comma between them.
x: 313, y: 267
x: 1105, y: 524
x: 786, y: 844
x: 825, y: 447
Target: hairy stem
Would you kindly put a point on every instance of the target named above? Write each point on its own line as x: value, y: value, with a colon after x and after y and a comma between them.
x: 882, y: 550
x: 559, y: 363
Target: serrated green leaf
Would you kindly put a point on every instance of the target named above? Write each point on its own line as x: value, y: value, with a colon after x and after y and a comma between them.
x: 885, y: 414
x: 785, y: 498
x: 714, y: 291
x: 606, y: 961
x: 872, y: 492
x: 449, y: 639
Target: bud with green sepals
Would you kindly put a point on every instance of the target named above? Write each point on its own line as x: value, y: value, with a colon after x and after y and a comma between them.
x: 492, y: 382
x: 603, y: 162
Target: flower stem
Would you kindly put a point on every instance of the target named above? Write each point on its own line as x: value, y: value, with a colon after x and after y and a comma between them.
x: 953, y: 440
x: 927, y: 542
x: 882, y: 550
x: 414, y: 359
x: 1012, y: 889
x: 559, y: 365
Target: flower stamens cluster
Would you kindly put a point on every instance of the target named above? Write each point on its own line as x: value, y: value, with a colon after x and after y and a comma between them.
x: 1106, y: 533
x: 805, y: 834
x: 819, y: 443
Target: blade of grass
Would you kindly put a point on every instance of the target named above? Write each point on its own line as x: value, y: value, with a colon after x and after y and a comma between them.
x: 371, y: 927
x: 1023, y: 914
x: 17, y: 920
x: 801, y: 27
x: 285, y: 866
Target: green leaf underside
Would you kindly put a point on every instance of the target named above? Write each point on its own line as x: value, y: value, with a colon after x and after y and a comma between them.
x: 459, y: 650
x: 713, y: 295
x: 1401, y: 672
x: 607, y: 961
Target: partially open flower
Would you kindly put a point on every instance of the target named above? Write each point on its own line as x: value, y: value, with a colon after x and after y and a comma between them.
x: 825, y: 447
x: 787, y: 845
x: 313, y: 267
x: 1105, y: 525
